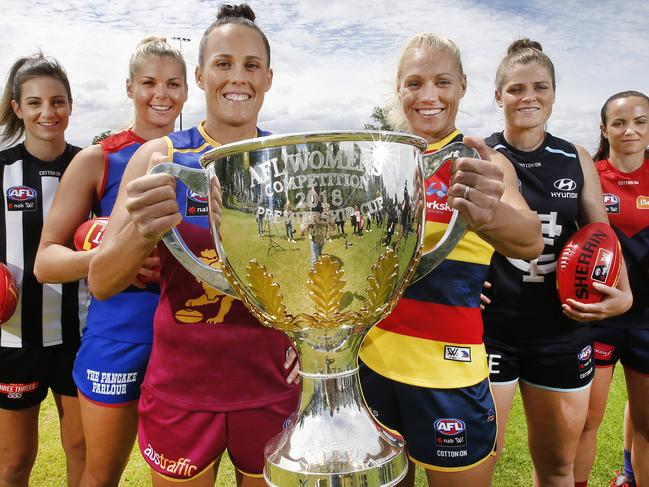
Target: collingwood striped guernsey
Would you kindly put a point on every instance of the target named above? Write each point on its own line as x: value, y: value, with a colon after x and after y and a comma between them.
x: 47, y: 314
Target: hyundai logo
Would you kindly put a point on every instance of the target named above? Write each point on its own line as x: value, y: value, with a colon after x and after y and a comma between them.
x: 565, y: 184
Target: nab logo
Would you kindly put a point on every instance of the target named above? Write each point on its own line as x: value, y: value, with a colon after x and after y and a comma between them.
x: 585, y: 353
x: 565, y: 184
x: 449, y: 426
x: 198, y: 198
x: 21, y: 193
x: 437, y: 189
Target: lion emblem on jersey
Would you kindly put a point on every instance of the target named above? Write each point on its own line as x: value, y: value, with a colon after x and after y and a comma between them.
x: 210, y: 296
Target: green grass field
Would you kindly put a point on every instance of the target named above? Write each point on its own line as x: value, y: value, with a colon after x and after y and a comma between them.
x: 513, y: 470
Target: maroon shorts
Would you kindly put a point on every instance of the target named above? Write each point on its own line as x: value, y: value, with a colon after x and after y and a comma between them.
x: 181, y: 444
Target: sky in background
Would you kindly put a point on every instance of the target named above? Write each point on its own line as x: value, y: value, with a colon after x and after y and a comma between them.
x: 334, y: 59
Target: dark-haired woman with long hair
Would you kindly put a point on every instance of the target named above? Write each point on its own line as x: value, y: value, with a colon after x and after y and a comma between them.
x: 532, y: 340
x: 38, y: 344
x: 116, y: 342
x: 623, y: 166
x: 221, y: 381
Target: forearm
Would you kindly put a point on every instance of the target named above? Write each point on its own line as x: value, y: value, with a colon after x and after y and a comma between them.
x: 57, y: 263
x: 118, y: 261
x: 514, y: 232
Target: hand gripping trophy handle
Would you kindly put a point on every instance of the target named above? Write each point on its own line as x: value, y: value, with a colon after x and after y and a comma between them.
x: 196, y: 180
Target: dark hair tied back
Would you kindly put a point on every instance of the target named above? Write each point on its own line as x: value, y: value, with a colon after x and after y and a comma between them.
x: 524, y: 43
x: 230, y: 10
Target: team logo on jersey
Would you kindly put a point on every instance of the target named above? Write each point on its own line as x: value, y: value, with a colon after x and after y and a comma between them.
x: 642, y: 202
x: 436, y: 201
x: 566, y: 187
x: 457, y: 354
x: 437, y: 189
x: 21, y: 198
x: 611, y: 203
x: 450, y: 432
x: 195, y: 204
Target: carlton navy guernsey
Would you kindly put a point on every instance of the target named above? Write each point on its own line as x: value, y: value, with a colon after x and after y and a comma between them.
x: 46, y: 314
x: 524, y: 293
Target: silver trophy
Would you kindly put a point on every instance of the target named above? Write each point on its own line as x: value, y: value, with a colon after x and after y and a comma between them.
x: 320, y: 233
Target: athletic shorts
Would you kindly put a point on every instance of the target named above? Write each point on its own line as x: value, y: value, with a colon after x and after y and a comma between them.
x: 181, y: 444
x: 445, y: 429
x: 110, y: 372
x: 27, y: 373
x: 629, y: 346
x: 563, y: 366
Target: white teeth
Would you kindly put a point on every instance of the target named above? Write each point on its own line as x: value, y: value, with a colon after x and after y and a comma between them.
x: 236, y: 96
x: 47, y: 124
x: 529, y: 109
x: 433, y: 111
x: 161, y: 108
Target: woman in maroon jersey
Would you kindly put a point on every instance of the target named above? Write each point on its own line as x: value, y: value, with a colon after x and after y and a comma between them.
x: 623, y: 167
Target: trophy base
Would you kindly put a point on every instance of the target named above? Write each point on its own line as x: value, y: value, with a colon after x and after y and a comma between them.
x: 334, y: 441
x: 388, y: 474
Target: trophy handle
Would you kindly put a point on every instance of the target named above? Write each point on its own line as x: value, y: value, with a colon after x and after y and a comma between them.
x: 195, y: 180
x: 458, y: 226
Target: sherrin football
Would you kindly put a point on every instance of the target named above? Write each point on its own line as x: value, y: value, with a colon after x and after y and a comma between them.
x: 89, y: 234
x: 8, y: 294
x: 593, y: 254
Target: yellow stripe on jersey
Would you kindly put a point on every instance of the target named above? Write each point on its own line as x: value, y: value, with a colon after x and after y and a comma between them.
x: 424, y: 363
x: 472, y: 248
x: 442, y: 143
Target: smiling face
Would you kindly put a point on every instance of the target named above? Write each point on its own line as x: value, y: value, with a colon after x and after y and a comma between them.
x: 159, y: 90
x: 527, y: 96
x: 627, y: 125
x: 44, y: 107
x: 430, y: 88
x: 235, y: 76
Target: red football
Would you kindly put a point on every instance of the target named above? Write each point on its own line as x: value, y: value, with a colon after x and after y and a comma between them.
x: 8, y: 294
x: 593, y: 254
x: 89, y: 234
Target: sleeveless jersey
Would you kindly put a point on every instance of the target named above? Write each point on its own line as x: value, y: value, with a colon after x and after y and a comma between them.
x: 551, y: 181
x: 127, y: 316
x: 46, y: 314
x: 626, y: 198
x: 209, y: 352
x: 433, y: 338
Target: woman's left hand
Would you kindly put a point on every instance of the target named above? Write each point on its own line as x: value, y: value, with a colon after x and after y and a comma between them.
x: 615, y: 302
x: 292, y: 362
x: 476, y: 185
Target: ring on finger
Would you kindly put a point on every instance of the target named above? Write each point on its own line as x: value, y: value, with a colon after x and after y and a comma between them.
x: 467, y: 190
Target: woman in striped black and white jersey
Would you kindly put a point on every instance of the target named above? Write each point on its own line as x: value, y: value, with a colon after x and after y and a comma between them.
x: 39, y: 343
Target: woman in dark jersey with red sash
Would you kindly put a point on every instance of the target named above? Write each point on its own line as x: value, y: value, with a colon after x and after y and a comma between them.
x: 623, y: 167
x: 216, y: 379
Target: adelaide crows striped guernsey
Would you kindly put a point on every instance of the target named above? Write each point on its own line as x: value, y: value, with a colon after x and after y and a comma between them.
x: 209, y: 353
x: 524, y: 298
x: 626, y: 198
x: 47, y: 314
x: 433, y: 338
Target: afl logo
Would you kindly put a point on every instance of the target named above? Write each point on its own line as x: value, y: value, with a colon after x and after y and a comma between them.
x: 21, y: 193
x: 437, y: 189
x: 450, y: 426
x: 565, y: 184
x: 611, y: 199
x: 585, y: 353
x: 198, y: 198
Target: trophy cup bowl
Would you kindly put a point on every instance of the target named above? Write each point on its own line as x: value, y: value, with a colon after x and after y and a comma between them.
x: 288, y: 252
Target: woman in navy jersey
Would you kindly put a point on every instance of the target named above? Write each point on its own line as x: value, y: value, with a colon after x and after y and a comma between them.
x: 424, y: 369
x: 530, y: 337
x: 116, y: 342
x: 216, y: 379
x: 39, y: 343
x: 623, y: 167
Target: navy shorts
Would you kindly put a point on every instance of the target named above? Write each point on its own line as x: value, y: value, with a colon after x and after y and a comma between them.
x: 27, y: 373
x: 629, y: 346
x: 445, y: 429
x: 108, y: 371
x: 562, y: 366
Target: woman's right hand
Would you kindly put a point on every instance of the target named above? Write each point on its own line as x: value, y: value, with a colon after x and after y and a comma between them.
x: 151, y: 202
